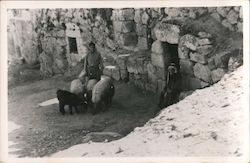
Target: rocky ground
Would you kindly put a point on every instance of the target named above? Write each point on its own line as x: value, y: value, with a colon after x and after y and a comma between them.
x: 42, y: 131
x: 207, y: 123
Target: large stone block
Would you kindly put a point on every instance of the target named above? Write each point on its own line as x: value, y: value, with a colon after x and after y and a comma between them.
x: 204, y: 35
x: 142, y: 30
x: 116, y: 73
x: 167, y: 32
x: 186, y: 43
x: 124, y: 74
x: 121, y: 60
x: 152, y: 78
x: 191, y: 83
x: 241, y: 13
x: 240, y: 27
x: 159, y: 47
x: 221, y: 59
x: 204, y: 41
x: 123, y: 14
x: 228, y: 25
x: 131, y: 65
x: 137, y: 17
x: 232, y: 17
x: 151, y: 68
x: 217, y: 74
x: 211, y: 63
x: 128, y: 39
x: 216, y: 16
x: 158, y: 60
x: 205, y: 50
x: 198, y: 58
x: 202, y: 72
x: 145, y: 18
x: 189, y: 41
x: 143, y: 43
x: 222, y: 11
x: 124, y: 26
x: 172, y: 12
x: 186, y: 67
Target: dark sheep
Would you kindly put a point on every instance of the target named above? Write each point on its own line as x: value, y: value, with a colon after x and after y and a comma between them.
x: 102, y: 95
x: 72, y: 100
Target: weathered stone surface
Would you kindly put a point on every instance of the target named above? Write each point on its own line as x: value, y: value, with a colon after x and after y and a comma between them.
x: 204, y: 35
x: 216, y: 16
x: 167, y: 32
x: 137, y: 17
x: 241, y: 13
x: 159, y: 47
x: 172, y: 12
x: 186, y: 67
x: 128, y: 39
x: 158, y: 60
x: 205, y: 50
x: 204, y: 41
x: 121, y: 60
x: 240, y: 27
x: 198, y: 58
x: 237, y: 8
x: 60, y: 33
x: 211, y: 9
x: 191, y: 83
x: 183, y: 52
x: 226, y: 24
x: 232, y: 17
x: 124, y: 26
x: 124, y: 14
x: 145, y: 18
x: 143, y: 43
x: 217, y: 74
x: 151, y: 68
x: 221, y: 59
x: 152, y: 78
x: 236, y: 60
x: 116, y: 73
x: 222, y: 11
x: 211, y: 64
x: 160, y: 85
x: 131, y: 65
x: 186, y: 42
x: 202, y: 72
x: 160, y: 73
x: 141, y: 30
x: 141, y: 68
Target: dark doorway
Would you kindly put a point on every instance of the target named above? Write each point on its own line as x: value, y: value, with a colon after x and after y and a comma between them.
x: 72, y: 45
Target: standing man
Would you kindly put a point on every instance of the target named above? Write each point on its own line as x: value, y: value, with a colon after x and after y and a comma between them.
x: 93, y: 64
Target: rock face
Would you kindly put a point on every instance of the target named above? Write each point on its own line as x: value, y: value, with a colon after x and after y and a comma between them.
x: 60, y: 37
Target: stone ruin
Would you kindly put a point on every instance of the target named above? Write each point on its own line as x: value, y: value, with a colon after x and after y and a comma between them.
x: 137, y: 45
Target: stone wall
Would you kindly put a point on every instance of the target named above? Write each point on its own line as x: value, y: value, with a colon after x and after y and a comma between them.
x: 139, y: 43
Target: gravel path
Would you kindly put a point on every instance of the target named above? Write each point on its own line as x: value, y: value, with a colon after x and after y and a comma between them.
x: 43, y: 130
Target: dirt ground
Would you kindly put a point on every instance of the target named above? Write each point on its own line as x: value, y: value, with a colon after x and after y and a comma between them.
x: 45, y: 131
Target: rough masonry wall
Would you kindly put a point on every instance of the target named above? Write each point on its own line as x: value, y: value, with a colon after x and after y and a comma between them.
x: 151, y: 38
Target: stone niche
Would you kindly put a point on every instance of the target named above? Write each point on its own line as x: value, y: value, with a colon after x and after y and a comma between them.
x: 76, y: 50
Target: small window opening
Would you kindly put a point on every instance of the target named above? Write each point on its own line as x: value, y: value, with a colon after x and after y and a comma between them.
x: 72, y: 45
